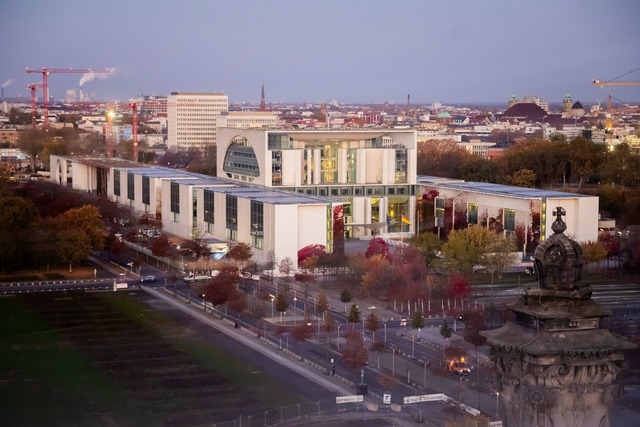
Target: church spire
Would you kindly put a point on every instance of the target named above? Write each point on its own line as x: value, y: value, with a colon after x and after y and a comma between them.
x: 263, y: 104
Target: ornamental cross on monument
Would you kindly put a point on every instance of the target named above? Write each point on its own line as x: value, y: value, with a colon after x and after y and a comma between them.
x: 556, y: 366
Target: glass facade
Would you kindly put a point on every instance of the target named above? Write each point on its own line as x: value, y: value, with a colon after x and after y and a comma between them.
x: 232, y: 217
x: 509, y: 221
x: 257, y: 224
x: 146, y: 192
x: 279, y: 141
x: 116, y: 183
x: 175, y: 201
x: 352, y: 166
x: 472, y: 213
x: 131, y: 186
x: 329, y: 164
x: 240, y: 159
x: 439, y: 214
x: 276, y: 168
x: 401, y: 166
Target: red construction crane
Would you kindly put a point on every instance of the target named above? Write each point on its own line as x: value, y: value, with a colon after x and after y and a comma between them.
x: 34, y: 108
x: 134, y: 128
x: 45, y: 84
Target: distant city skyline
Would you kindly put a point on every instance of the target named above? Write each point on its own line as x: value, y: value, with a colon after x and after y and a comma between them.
x: 356, y: 51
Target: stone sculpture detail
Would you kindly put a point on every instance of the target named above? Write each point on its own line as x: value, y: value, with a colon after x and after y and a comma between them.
x: 556, y: 367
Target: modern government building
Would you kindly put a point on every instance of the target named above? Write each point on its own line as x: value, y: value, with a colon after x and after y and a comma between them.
x: 279, y: 190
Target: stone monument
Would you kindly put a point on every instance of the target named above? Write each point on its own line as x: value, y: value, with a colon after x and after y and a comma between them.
x: 556, y: 366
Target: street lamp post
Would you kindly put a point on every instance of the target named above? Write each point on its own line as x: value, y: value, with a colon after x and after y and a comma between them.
x: 497, y: 404
x: 425, y: 376
x: 413, y: 346
x: 393, y: 361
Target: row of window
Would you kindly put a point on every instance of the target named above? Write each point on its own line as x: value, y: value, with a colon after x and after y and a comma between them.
x: 508, y: 215
x: 381, y: 190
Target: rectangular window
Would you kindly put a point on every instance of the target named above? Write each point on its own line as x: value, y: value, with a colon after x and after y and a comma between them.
x: 209, y: 210
x: 175, y: 198
x: 146, y: 193
x: 116, y: 182
x: 352, y: 165
x: 232, y: 217
x: 509, y: 220
x: 257, y: 224
x: 131, y: 186
x: 472, y: 213
x: 329, y: 164
x: 439, y: 214
x: 276, y: 168
x: 401, y: 166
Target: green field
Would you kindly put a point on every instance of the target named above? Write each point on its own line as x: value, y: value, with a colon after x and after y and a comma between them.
x: 98, y: 373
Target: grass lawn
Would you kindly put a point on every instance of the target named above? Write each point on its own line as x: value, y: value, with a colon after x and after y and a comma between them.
x: 47, y: 380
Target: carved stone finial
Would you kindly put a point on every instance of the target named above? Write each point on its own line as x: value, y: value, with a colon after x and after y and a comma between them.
x: 559, y: 259
x: 559, y: 226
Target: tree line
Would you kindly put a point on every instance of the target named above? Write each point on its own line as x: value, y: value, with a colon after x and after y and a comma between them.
x: 586, y: 167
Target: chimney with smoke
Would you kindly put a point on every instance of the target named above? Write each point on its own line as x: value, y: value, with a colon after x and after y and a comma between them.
x: 6, y: 84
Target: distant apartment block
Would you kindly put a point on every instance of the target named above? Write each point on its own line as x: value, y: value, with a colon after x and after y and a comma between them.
x: 192, y: 119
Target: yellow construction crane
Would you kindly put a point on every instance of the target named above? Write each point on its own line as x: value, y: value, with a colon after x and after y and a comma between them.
x: 600, y: 83
x: 613, y: 82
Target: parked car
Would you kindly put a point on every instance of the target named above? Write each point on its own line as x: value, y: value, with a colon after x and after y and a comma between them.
x: 148, y: 278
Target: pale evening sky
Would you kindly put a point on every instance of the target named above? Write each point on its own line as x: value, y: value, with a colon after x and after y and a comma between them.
x: 352, y: 51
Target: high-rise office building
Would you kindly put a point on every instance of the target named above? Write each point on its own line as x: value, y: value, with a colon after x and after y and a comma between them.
x: 192, y: 119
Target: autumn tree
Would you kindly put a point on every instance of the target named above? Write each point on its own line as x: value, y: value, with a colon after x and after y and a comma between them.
x: 239, y: 303
x: 465, y: 248
x: 86, y: 218
x: 32, y: 142
x: 417, y: 320
x: 160, y: 246
x: 354, y: 353
x: 311, y: 251
x: 329, y: 325
x: 378, y: 274
x: 74, y: 245
x: 270, y: 264
x: 523, y: 178
x: 445, y: 329
x: 303, y: 331
x: 499, y: 253
x: 17, y: 218
x: 459, y: 287
x: 478, y: 169
x: 377, y: 246
x: 372, y: 322
x: 223, y: 287
x: 345, y: 297
x: 240, y: 252
x: 281, y: 302
x: 593, y: 252
x: 584, y: 158
x: 322, y: 306
x: 354, y: 315
x: 440, y: 158
x: 428, y: 244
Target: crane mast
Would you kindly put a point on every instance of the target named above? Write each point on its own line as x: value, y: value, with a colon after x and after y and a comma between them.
x: 34, y: 108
